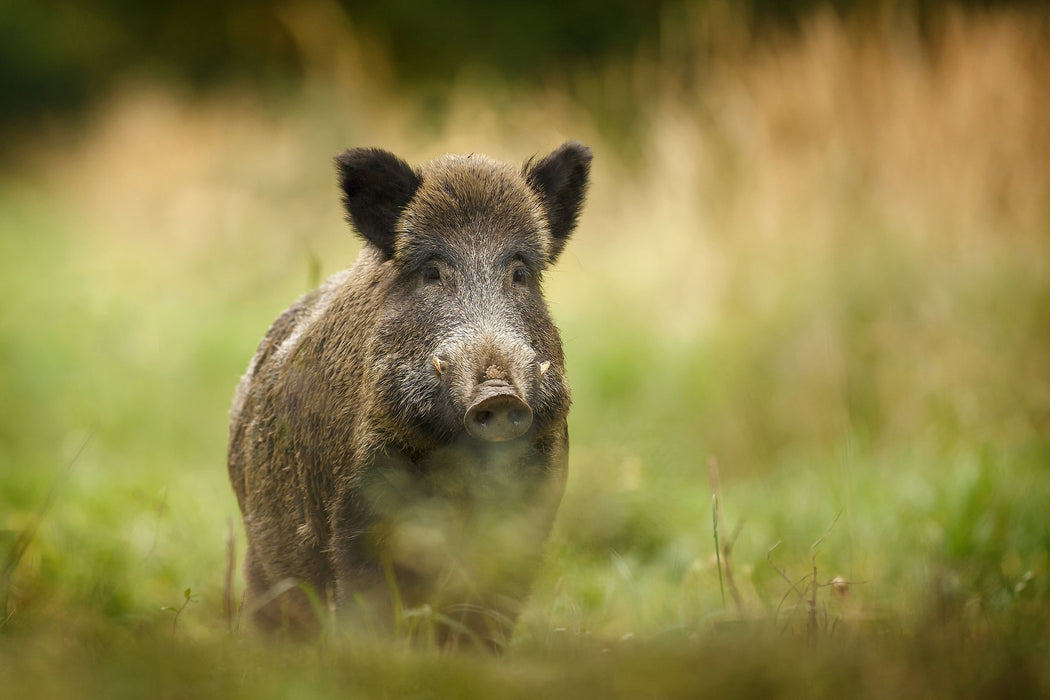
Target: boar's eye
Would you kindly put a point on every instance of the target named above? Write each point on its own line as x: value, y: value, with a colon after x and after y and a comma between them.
x: 520, y: 273
x: 431, y: 274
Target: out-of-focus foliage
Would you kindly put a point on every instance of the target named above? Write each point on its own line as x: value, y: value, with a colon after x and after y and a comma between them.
x: 825, y: 269
x: 58, y: 56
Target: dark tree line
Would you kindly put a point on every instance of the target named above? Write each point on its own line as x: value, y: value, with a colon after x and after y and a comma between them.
x: 57, y: 56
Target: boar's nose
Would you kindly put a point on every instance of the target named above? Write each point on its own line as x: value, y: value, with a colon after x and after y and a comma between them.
x: 497, y: 414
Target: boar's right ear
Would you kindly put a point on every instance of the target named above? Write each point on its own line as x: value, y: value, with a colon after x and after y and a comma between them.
x: 377, y: 186
x: 560, y: 179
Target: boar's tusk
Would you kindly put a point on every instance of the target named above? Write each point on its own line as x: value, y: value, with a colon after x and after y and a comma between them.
x: 437, y: 365
x: 544, y: 366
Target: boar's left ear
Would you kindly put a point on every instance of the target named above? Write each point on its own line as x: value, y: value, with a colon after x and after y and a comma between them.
x: 560, y: 179
x: 377, y: 186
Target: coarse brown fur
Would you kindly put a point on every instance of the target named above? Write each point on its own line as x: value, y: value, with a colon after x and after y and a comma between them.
x: 348, y: 451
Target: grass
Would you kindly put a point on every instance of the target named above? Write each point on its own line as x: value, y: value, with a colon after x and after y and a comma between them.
x: 823, y: 266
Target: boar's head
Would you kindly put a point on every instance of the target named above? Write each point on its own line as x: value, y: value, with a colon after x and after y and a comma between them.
x: 464, y: 348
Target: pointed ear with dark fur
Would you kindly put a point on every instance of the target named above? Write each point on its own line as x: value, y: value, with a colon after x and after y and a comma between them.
x: 560, y: 179
x: 376, y: 186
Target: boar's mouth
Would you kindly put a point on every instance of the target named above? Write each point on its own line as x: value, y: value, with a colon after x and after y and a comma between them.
x: 497, y: 413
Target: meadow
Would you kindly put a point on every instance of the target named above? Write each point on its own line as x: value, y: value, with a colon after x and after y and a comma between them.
x: 811, y: 286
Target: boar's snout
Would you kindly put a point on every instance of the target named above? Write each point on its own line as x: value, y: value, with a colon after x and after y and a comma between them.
x: 497, y: 413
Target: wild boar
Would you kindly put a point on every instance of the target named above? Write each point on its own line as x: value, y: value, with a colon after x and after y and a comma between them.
x: 400, y: 439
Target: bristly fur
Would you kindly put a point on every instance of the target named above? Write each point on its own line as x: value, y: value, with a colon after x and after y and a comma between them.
x: 348, y: 448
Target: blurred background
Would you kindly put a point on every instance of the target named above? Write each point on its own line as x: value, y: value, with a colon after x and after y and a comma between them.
x: 813, y: 274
